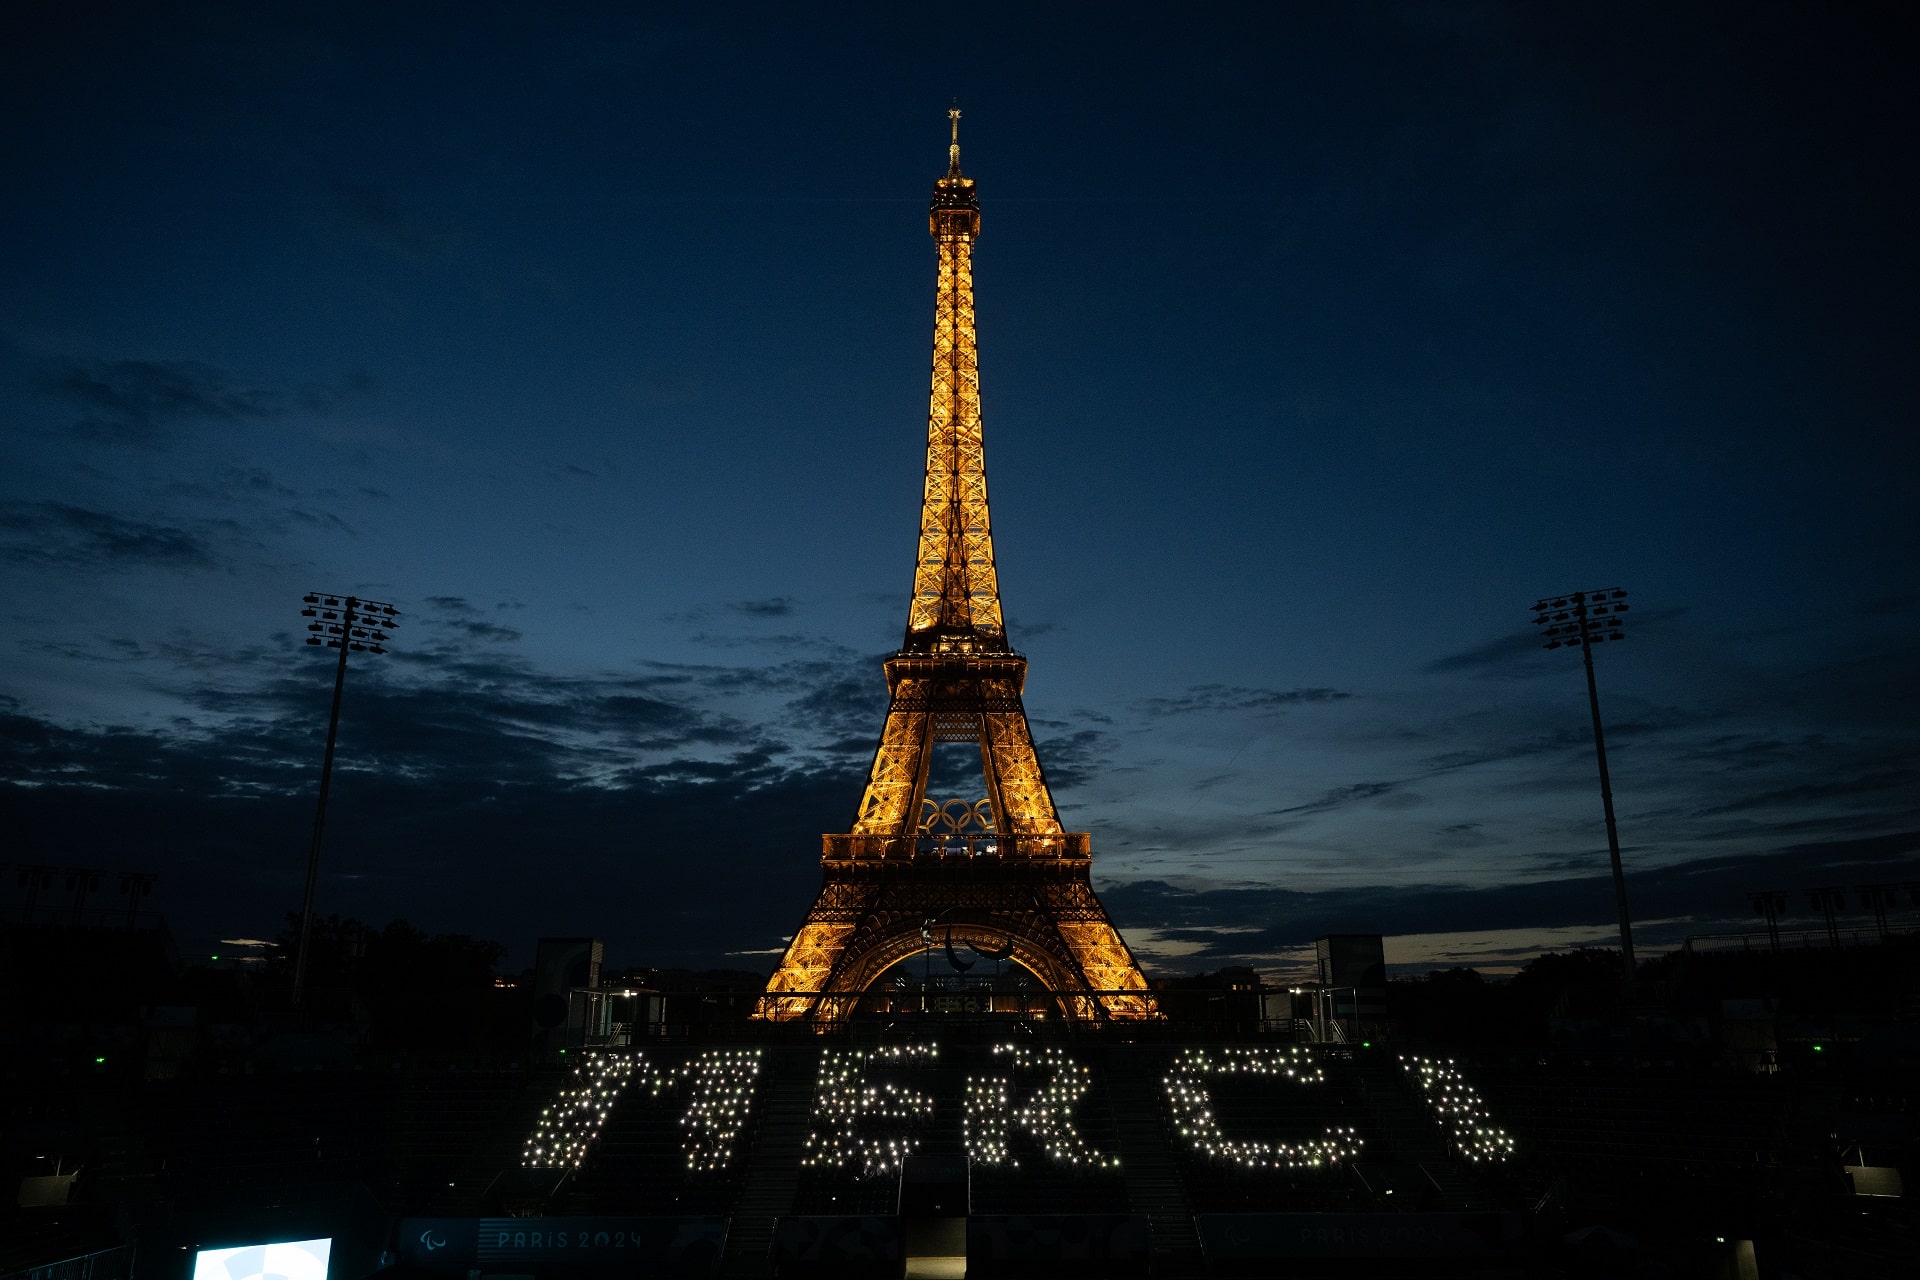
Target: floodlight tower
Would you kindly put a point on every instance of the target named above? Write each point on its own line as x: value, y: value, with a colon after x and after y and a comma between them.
x: 1829, y: 898
x: 1769, y: 903
x: 349, y: 624
x: 1877, y: 898
x: 1583, y: 619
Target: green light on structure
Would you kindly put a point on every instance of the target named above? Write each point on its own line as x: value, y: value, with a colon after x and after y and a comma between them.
x: 99, y: 1061
x: 1819, y: 1048
x: 1366, y: 1044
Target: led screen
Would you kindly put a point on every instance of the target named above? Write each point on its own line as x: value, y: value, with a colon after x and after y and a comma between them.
x: 285, y: 1260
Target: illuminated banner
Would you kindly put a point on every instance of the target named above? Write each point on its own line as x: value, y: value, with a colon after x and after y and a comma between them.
x: 280, y: 1260
x: 653, y: 1246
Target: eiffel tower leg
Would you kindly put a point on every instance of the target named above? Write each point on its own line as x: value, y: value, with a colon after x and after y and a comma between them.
x: 1022, y: 802
x: 898, y: 776
x: 995, y: 798
x: 1098, y: 949
x: 795, y: 990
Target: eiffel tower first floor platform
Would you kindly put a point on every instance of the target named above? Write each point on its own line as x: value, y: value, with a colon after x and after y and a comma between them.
x: 1027, y: 900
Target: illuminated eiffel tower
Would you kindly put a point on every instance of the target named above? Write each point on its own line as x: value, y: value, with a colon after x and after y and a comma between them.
x: 998, y: 872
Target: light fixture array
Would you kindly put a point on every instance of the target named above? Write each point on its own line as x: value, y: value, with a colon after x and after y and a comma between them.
x: 986, y: 1121
x: 843, y: 1099
x: 718, y: 1104
x: 579, y: 1111
x: 1192, y: 1106
x: 1046, y: 1115
x: 1459, y: 1108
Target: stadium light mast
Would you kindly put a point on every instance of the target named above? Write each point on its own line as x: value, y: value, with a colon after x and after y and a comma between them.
x: 1769, y: 903
x: 349, y: 624
x: 1583, y: 619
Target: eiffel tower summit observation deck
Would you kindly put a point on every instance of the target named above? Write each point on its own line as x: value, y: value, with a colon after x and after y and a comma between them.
x: 998, y: 873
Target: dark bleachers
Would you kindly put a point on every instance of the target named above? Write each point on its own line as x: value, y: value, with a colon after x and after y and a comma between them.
x: 1719, y: 1136
x: 281, y: 1130
x: 420, y: 1142
x: 453, y: 1132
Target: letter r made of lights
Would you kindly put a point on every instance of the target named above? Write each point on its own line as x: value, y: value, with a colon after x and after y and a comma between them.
x: 1045, y: 1116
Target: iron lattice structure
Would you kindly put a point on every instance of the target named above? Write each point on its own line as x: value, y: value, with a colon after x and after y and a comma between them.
x: 1002, y: 866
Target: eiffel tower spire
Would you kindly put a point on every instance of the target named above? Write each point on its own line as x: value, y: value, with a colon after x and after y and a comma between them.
x: 955, y: 590
x: 1000, y: 869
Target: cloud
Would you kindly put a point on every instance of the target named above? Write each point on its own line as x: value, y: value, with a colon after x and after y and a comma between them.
x: 133, y: 401
x: 1703, y: 895
x: 849, y: 706
x: 59, y: 534
x: 457, y: 614
x: 322, y: 520
x: 1501, y: 656
x: 512, y: 801
x: 778, y: 607
x: 1338, y: 797
x: 146, y: 402
x: 436, y: 816
x: 1220, y: 697
x: 1802, y: 794
x: 1512, y: 745
x: 1073, y: 759
x: 231, y: 484
x: 1521, y: 654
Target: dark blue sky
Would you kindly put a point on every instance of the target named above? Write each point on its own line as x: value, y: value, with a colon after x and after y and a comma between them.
x: 1318, y: 341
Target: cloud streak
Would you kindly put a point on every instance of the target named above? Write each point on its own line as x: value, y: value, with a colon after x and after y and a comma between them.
x: 147, y: 403
x: 59, y: 534
x: 1204, y: 699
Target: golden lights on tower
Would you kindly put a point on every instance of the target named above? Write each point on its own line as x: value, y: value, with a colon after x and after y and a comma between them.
x: 955, y: 680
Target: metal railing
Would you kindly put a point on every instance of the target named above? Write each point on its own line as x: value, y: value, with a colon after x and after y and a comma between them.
x: 113, y: 1263
x: 829, y: 1011
x: 1796, y: 939
x: 956, y: 844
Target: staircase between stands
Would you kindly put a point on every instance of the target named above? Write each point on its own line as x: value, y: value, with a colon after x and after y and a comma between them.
x: 1414, y: 1136
x: 773, y: 1167
x: 1154, y: 1187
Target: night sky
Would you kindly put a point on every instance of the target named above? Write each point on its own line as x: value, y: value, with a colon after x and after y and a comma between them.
x: 1318, y: 341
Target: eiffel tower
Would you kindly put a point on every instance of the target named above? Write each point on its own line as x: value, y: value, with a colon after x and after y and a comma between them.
x: 999, y: 869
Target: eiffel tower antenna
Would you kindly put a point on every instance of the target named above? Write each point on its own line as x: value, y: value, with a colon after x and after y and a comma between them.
x: 1000, y: 868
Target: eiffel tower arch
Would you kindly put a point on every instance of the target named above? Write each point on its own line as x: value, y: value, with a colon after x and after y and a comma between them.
x: 1002, y: 867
